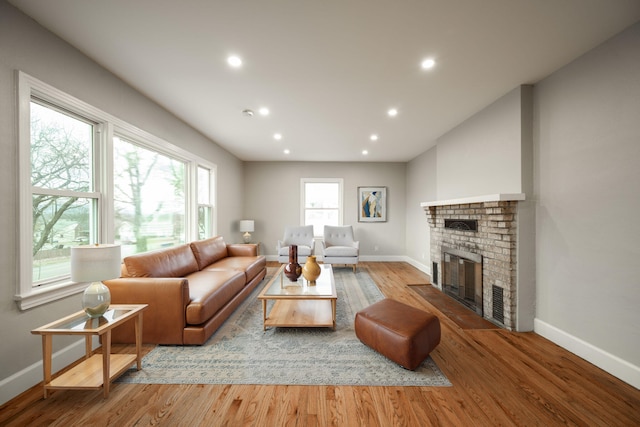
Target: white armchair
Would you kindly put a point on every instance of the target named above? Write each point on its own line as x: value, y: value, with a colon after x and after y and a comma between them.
x: 302, y: 237
x: 339, y: 246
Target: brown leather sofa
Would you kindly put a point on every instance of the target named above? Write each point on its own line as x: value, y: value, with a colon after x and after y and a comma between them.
x: 191, y: 289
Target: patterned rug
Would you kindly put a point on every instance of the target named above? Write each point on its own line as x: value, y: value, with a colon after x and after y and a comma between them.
x: 241, y: 353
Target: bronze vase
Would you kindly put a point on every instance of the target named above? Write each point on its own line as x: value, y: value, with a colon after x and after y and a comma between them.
x: 293, y: 269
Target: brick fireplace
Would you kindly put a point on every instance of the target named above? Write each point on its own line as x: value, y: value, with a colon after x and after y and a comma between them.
x: 481, y: 232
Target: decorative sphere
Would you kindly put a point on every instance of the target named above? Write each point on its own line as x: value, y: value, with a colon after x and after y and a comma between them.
x: 96, y: 299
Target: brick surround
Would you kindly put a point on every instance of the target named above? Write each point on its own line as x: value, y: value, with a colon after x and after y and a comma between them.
x: 495, y: 240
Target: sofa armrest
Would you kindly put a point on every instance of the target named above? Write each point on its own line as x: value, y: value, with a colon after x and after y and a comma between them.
x: 165, y: 319
x: 242, y: 249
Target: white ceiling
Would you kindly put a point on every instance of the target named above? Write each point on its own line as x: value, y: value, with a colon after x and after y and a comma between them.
x: 328, y: 70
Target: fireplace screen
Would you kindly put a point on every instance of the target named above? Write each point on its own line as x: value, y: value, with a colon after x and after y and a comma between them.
x: 462, y: 277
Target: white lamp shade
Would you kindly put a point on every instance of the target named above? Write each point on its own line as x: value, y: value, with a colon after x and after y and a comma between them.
x: 246, y: 225
x: 95, y: 263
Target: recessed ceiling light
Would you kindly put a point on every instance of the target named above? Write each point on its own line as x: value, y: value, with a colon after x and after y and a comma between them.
x: 392, y: 112
x: 277, y: 136
x: 286, y: 151
x: 373, y: 137
x: 234, y: 61
x: 365, y: 152
x: 428, y: 63
x: 264, y: 111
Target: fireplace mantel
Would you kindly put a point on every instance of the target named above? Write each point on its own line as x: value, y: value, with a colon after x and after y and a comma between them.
x: 501, y: 197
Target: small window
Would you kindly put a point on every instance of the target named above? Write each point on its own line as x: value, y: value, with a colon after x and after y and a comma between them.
x: 321, y: 203
x: 205, y: 202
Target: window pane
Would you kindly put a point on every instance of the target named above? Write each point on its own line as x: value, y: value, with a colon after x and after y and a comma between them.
x: 61, y: 150
x: 149, y: 198
x: 204, y: 181
x: 58, y: 224
x: 322, y: 195
x: 204, y: 222
x: 319, y: 218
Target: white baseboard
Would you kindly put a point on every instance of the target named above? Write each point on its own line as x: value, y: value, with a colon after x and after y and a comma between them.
x: 365, y: 258
x: 422, y: 267
x: 23, y: 380
x: 382, y: 258
x: 614, y: 365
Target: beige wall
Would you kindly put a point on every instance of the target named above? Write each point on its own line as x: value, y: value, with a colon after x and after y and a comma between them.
x: 272, y: 199
x: 421, y: 187
x: 26, y: 46
x: 587, y: 184
x: 482, y: 155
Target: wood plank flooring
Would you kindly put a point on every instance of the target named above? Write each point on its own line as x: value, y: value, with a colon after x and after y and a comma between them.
x: 499, y: 378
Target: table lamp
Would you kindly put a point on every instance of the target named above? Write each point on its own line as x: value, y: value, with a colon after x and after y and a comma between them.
x: 95, y: 263
x: 246, y: 225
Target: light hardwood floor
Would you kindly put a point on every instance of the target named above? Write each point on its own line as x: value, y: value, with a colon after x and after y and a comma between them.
x: 499, y: 378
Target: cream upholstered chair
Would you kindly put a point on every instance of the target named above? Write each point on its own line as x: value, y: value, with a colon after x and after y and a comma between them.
x: 301, y: 236
x: 339, y: 246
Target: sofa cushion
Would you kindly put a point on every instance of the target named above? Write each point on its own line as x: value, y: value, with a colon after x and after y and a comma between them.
x: 209, y: 291
x: 177, y: 261
x: 251, y: 266
x: 209, y: 251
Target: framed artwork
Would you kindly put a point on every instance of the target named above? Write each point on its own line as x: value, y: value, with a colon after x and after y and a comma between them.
x: 372, y: 203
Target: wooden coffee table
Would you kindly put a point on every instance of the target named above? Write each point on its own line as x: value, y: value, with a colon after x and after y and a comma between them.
x: 299, y: 304
x: 97, y: 370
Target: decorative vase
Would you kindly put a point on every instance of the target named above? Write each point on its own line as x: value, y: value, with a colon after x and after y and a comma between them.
x: 96, y: 299
x: 311, y: 270
x: 293, y: 269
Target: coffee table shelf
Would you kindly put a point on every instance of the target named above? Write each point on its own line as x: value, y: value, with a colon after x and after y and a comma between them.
x: 305, y: 313
x: 300, y: 304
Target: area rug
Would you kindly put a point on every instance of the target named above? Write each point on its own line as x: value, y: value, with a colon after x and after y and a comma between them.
x: 240, y: 352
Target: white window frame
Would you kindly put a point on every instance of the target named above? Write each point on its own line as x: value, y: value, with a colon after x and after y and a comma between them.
x: 27, y: 295
x: 212, y: 194
x: 339, y: 181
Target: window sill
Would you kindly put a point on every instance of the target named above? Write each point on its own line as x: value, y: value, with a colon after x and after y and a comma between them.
x: 40, y: 296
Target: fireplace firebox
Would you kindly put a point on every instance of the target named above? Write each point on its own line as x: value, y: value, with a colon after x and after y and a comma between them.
x: 462, y: 277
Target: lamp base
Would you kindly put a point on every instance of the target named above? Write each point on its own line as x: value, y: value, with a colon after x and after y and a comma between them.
x: 246, y: 237
x: 96, y: 299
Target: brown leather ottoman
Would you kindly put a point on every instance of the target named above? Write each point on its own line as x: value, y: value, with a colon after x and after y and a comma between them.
x: 398, y: 331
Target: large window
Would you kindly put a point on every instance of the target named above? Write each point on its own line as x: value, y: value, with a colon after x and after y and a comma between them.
x: 149, y: 198
x: 87, y: 177
x: 321, y: 203
x: 64, y: 203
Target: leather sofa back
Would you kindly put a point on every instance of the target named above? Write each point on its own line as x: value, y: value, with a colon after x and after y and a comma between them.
x: 176, y: 261
x: 209, y: 251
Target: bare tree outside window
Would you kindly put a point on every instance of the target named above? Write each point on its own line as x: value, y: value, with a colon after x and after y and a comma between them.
x: 61, y: 173
x: 149, y: 198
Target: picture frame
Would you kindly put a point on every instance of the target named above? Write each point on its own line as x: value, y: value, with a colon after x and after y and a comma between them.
x: 372, y: 204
